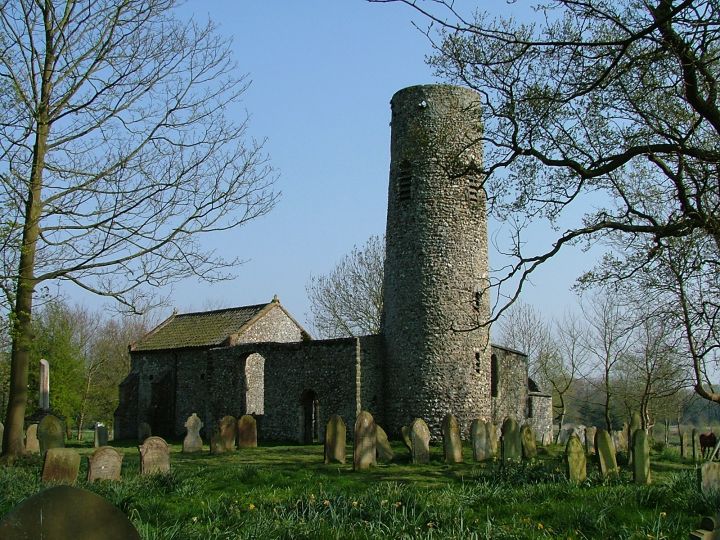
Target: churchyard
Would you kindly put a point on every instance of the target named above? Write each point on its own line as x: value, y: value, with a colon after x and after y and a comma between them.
x: 289, y: 491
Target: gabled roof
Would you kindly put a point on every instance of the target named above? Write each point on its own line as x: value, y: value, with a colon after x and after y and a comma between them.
x: 202, y: 329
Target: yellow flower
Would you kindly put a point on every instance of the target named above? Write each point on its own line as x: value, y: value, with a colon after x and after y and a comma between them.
x: 663, y: 514
x: 540, y: 526
x: 326, y: 502
x: 251, y: 506
x: 194, y: 519
x: 355, y: 504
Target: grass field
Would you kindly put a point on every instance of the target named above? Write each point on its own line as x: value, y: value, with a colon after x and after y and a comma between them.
x: 287, y: 492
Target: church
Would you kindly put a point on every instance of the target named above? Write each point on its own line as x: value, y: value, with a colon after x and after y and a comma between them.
x: 433, y: 355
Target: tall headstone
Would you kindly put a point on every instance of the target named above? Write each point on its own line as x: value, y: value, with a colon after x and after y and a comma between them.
x: 144, y: 431
x: 247, y: 432
x: 154, y: 456
x: 605, y: 450
x: 527, y: 438
x: 576, y: 460
x: 51, y: 433
x: 590, y: 440
x: 67, y: 513
x: 480, y: 440
x: 364, y: 452
x: 228, y: 432
x: 641, y: 457
x: 32, y: 444
x: 192, y: 441
x: 510, y: 440
x: 452, y: 444
x: 61, y: 466
x: 44, y: 385
x: 385, y: 452
x: 105, y: 464
x: 101, y: 435
x: 335, y: 438
x: 710, y: 477
x: 420, y: 441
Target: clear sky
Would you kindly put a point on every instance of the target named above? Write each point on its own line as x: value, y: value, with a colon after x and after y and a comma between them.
x: 323, y: 73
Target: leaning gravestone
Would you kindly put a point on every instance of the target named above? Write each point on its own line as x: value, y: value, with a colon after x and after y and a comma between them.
x: 364, y: 452
x: 247, y: 432
x: 192, y: 441
x: 405, y: 432
x: 154, y: 456
x: 576, y: 460
x: 335, y: 435
x: 511, y: 445
x: 384, y: 450
x: 61, y: 466
x: 228, y: 432
x: 51, y: 433
x: 605, y: 450
x: 32, y: 444
x: 420, y: 441
x: 710, y: 477
x: 101, y: 436
x: 590, y: 440
x: 641, y: 457
x: 144, y: 431
x: 527, y: 439
x: 452, y: 444
x: 67, y: 513
x: 105, y: 464
x: 480, y: 439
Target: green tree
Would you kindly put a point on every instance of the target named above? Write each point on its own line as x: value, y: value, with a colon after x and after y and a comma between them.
x: 116, y: 155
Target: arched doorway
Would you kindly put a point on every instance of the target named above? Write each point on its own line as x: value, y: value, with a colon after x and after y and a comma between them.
x: 255, y: 384
x: 310, y: 417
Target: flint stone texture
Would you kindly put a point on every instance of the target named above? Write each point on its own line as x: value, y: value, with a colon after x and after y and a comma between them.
x: 452, y: 444
x: 510, y: 440
x: 154, y: 456
x: 228, y: 432
x: 527, y: 438
x: 247, y: 432
x: 576, y: 460
x: 481, y: 440
x: 67, y: 513
x: 105, y: 464
x: 61, y: 465
x: 364, y: 454
x: 101, y: 436
x: 641, y: 457
x: 51, y: 433
x: 335, y: 436
x: 605, y: 450
x: 32, y: 444
x: 385, y: 452
x: 420, y: 441
x: 192, y: 441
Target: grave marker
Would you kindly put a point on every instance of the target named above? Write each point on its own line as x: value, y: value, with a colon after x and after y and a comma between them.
x: 32, y: 444
x: 384, y: 450
x: 154, y: 456
x: 51, y: 433
x: 247, y: 432
x: 510, y: 440
x: 101, y: 435
x: 61, y: 465
x: 228, y: 432
x: 576, y: 460
x: 364, y: 452
x: 452, y: 444
x: 192, y: 441
x: 105, y: 464
x: 527, y: 439
x: 605, y: 450
x: 420, y: 441
x: 641, y: 457
x: 335, y: 436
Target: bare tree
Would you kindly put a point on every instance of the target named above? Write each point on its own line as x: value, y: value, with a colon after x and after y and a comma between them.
x: 349, y: 300
x: 116, y: 154
x: 524, y: 328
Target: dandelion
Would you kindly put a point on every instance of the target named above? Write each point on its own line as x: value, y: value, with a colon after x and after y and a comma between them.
x: 251, y: 506
x: 540, y: 526
x: 663, y: 514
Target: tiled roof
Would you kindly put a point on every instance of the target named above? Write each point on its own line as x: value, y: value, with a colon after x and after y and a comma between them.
x: 203, y: 329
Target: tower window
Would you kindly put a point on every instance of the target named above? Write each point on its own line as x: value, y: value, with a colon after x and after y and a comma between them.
x: 493, y: 376
x: 404, y: 180
x: 478, y: 364
x: 478, y: 300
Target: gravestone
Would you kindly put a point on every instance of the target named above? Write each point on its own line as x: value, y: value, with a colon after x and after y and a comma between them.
x: 710, y: 477
x: 51, y: 433
x: 510, y: 440
x: 335, y: 435
x: 192, y: 441
x: 605, y: 450
x: 247, y: 432
x: 364, y: 451
x: 641, y: 457
x: 480, y: 440
x: 384, y: 450
x: 493, y: 437
x: 32, y: 444
x: 405, y: 432
x: 619, y: 438
x: 217, y: 445
x: 101, y: 435
x: 67, y: 513
x: 154, y: 456
x: 144, y: 431
x: 228, y: 432
x: 61, y: 465
x: 569, y: 431
x: 575, y: 460
x: 527, y: 439
x: 420, y: 441
x: 105, y: 464
x: 452, y: 444
x: 590, y: 440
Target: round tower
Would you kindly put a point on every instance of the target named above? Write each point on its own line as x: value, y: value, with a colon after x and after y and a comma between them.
x: 436, y: 266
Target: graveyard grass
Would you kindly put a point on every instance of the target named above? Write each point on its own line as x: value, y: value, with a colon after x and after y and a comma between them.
x: 287, y: 492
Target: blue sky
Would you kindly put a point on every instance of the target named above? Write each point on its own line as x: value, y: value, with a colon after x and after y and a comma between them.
x: 323, y: 73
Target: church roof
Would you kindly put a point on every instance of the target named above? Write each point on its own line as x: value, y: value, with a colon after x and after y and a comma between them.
x: 202, y: 329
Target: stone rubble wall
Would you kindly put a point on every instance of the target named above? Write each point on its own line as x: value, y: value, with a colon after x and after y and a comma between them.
x: 512, y: 385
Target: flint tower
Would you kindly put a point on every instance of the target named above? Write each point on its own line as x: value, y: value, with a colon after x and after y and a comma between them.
x: 436, y: 267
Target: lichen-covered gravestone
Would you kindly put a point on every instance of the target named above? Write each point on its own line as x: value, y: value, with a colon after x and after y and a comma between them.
x: 452, y: 444
x: 590, y: 440
x: 641, y: 457
x: 405, y: 433
x: 51, y: 433
x: 364, y: 451
x: 101, y: 436
x: 385, y: 452
x: 420, y: 441
x: 217, y: 445
x: 619, y: 439
x: 61, y: 466
x: 154, y: 456
x: 192, y: 441
x: 105, y: 464
x: 67, y: 513
x: 510, y: 441
x: 710, y: 477
x: 32, y: 444
x: 605, y: 450
x: 335, y: 435
x: 527, y: 438
x: 575, y: 460
x: 144, y: 431
x: 480, y: 439
x: 247, y: 432
x: 228, y: 432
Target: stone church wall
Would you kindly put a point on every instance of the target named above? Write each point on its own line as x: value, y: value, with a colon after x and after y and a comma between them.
x: 273, y: 326
x: 512, y: 390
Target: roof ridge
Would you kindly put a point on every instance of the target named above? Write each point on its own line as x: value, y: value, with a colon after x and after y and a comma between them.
x: 252, y: 306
